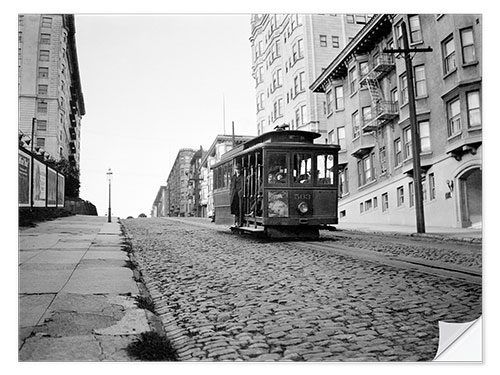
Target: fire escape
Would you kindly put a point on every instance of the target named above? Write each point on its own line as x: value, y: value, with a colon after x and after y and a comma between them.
x: 383, y: 110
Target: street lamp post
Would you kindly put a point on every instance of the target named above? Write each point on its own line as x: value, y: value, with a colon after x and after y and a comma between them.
x: 109, y: 174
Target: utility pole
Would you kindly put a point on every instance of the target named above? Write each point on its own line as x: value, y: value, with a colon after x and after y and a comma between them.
x: 415, y: 132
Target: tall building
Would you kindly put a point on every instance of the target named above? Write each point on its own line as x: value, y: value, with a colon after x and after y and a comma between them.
x: 177, y: 184
x: 366, y: 91
x: 51, y: 102
x: 220, y: 145
x: 289, y: 51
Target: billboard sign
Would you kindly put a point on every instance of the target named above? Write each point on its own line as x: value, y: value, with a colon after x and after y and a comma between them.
x: 24, y: 176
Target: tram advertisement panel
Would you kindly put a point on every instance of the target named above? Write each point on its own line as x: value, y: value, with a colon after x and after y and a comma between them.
x: 60, y: 190
x: 40, y: 181
x: 24, y: 178
x: 277, y: 204
x: 51, y: 188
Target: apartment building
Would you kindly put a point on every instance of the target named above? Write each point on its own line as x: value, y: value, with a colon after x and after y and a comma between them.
x: 177, y: 184
x: 51, y: 103
x: 367, y: 105
x: 288, y: 52
x: 220, y: 145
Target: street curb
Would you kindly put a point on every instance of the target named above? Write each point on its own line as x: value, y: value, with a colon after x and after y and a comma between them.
x: 156, y: 323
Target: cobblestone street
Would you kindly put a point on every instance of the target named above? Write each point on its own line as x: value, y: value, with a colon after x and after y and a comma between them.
x: 226, y: 297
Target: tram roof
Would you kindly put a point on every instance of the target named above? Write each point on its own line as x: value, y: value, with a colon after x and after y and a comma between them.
x: 282, y: 137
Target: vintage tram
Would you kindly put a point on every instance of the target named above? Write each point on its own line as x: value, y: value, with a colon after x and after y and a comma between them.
x: 282, y: 184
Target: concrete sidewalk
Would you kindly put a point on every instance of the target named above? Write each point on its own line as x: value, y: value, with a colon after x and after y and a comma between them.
x: 76, y: 292
x: 444, y: 233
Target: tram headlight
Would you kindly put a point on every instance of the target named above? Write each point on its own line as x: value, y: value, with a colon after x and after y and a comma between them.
x: 303, y: 207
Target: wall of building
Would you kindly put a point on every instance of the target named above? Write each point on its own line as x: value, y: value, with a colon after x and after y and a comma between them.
x: 450, y: 159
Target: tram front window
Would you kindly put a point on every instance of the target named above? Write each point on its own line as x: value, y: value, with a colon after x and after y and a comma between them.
x: 277, y: 168
x: 302, y: 165
x: 325, y: 169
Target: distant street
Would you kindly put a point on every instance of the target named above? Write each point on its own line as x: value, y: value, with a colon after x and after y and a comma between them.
x: 228, y: 297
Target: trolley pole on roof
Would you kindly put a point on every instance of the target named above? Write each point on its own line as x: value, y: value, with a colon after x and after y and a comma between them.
x: 234, y: 142
x: 415, y: 132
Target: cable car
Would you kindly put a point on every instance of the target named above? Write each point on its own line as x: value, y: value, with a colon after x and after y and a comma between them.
x: 279, y: 184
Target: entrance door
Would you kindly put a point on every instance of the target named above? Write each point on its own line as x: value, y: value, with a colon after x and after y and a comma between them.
x: 471, y: 201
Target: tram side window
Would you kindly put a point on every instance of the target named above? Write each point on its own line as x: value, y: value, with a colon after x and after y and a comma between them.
x: 278, y: 169
x: 302, y: 167
x: 325, y: 167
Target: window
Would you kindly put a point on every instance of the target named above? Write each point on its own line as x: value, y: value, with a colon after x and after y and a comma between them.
x: 361, y: 208
x: 366, y: 170
x: 449, y: 55
x: 335, y: 41
x: 473, y: 109
x: 43, y: 72
x: 404, y: 89
x: 46, y: 22
x: 300, y: 116
x: 453, y: 109
x: 341, y: 137
x: 325, y: 169
x: 42, y: 107
x: 397, y: 152
x: 329, y: 102
x: 394, y: 96
x: 425, y: 136
x: 361, y: 19
x: 363, y: 68
x: 297, y: 51
x: 343, y: 182
x: 41, y: 125
x: 44, y: 55
x: 368, y: 205
x: 366, y: 113
x: 45, y: 39
x: 355, y: 124
x: 339, y: 98
x: 322, y: 41
x: 302, y: 166
x: 277, y: 80
x: 399, y: 36
x: 40, y: 142
x: 43, y: 89
x: 385, y: 202
x: 353, y: 80
x: 375, y: 202
x: 468, y: 49
x: 277, y: 109
x: 260, y: 102
x: 415, y: 29
x: 412, y: 193
x: 420, y: 85
x: 383, y: 159
x: 350, y: 18
x: 401, y: 196
x: 432, y: 186
x: 407, y: 142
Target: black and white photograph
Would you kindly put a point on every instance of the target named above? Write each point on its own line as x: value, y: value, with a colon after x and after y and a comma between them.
x: 239, y: 187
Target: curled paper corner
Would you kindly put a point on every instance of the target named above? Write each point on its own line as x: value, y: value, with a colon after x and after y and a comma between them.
x: 460, y: 342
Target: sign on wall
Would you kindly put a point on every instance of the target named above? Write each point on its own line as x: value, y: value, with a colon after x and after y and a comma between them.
x: 39, y: 183
x: 51, y: 187
x: 24, y: 179
x: 60, y: 190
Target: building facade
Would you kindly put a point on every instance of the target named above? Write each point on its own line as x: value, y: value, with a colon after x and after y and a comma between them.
x: 160, y: 204
x: 366, y: 91
x: 177, y: 195
x: 220, y: 145
x: 51, y: 102
x: 196, y: 207
x: 288, y: 52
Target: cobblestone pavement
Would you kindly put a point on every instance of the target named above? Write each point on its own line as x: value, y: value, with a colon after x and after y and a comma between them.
x: 461, y: 253
x: 224, y: 297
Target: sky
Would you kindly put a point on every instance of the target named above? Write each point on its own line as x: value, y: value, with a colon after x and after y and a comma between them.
x: 153, y: 84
